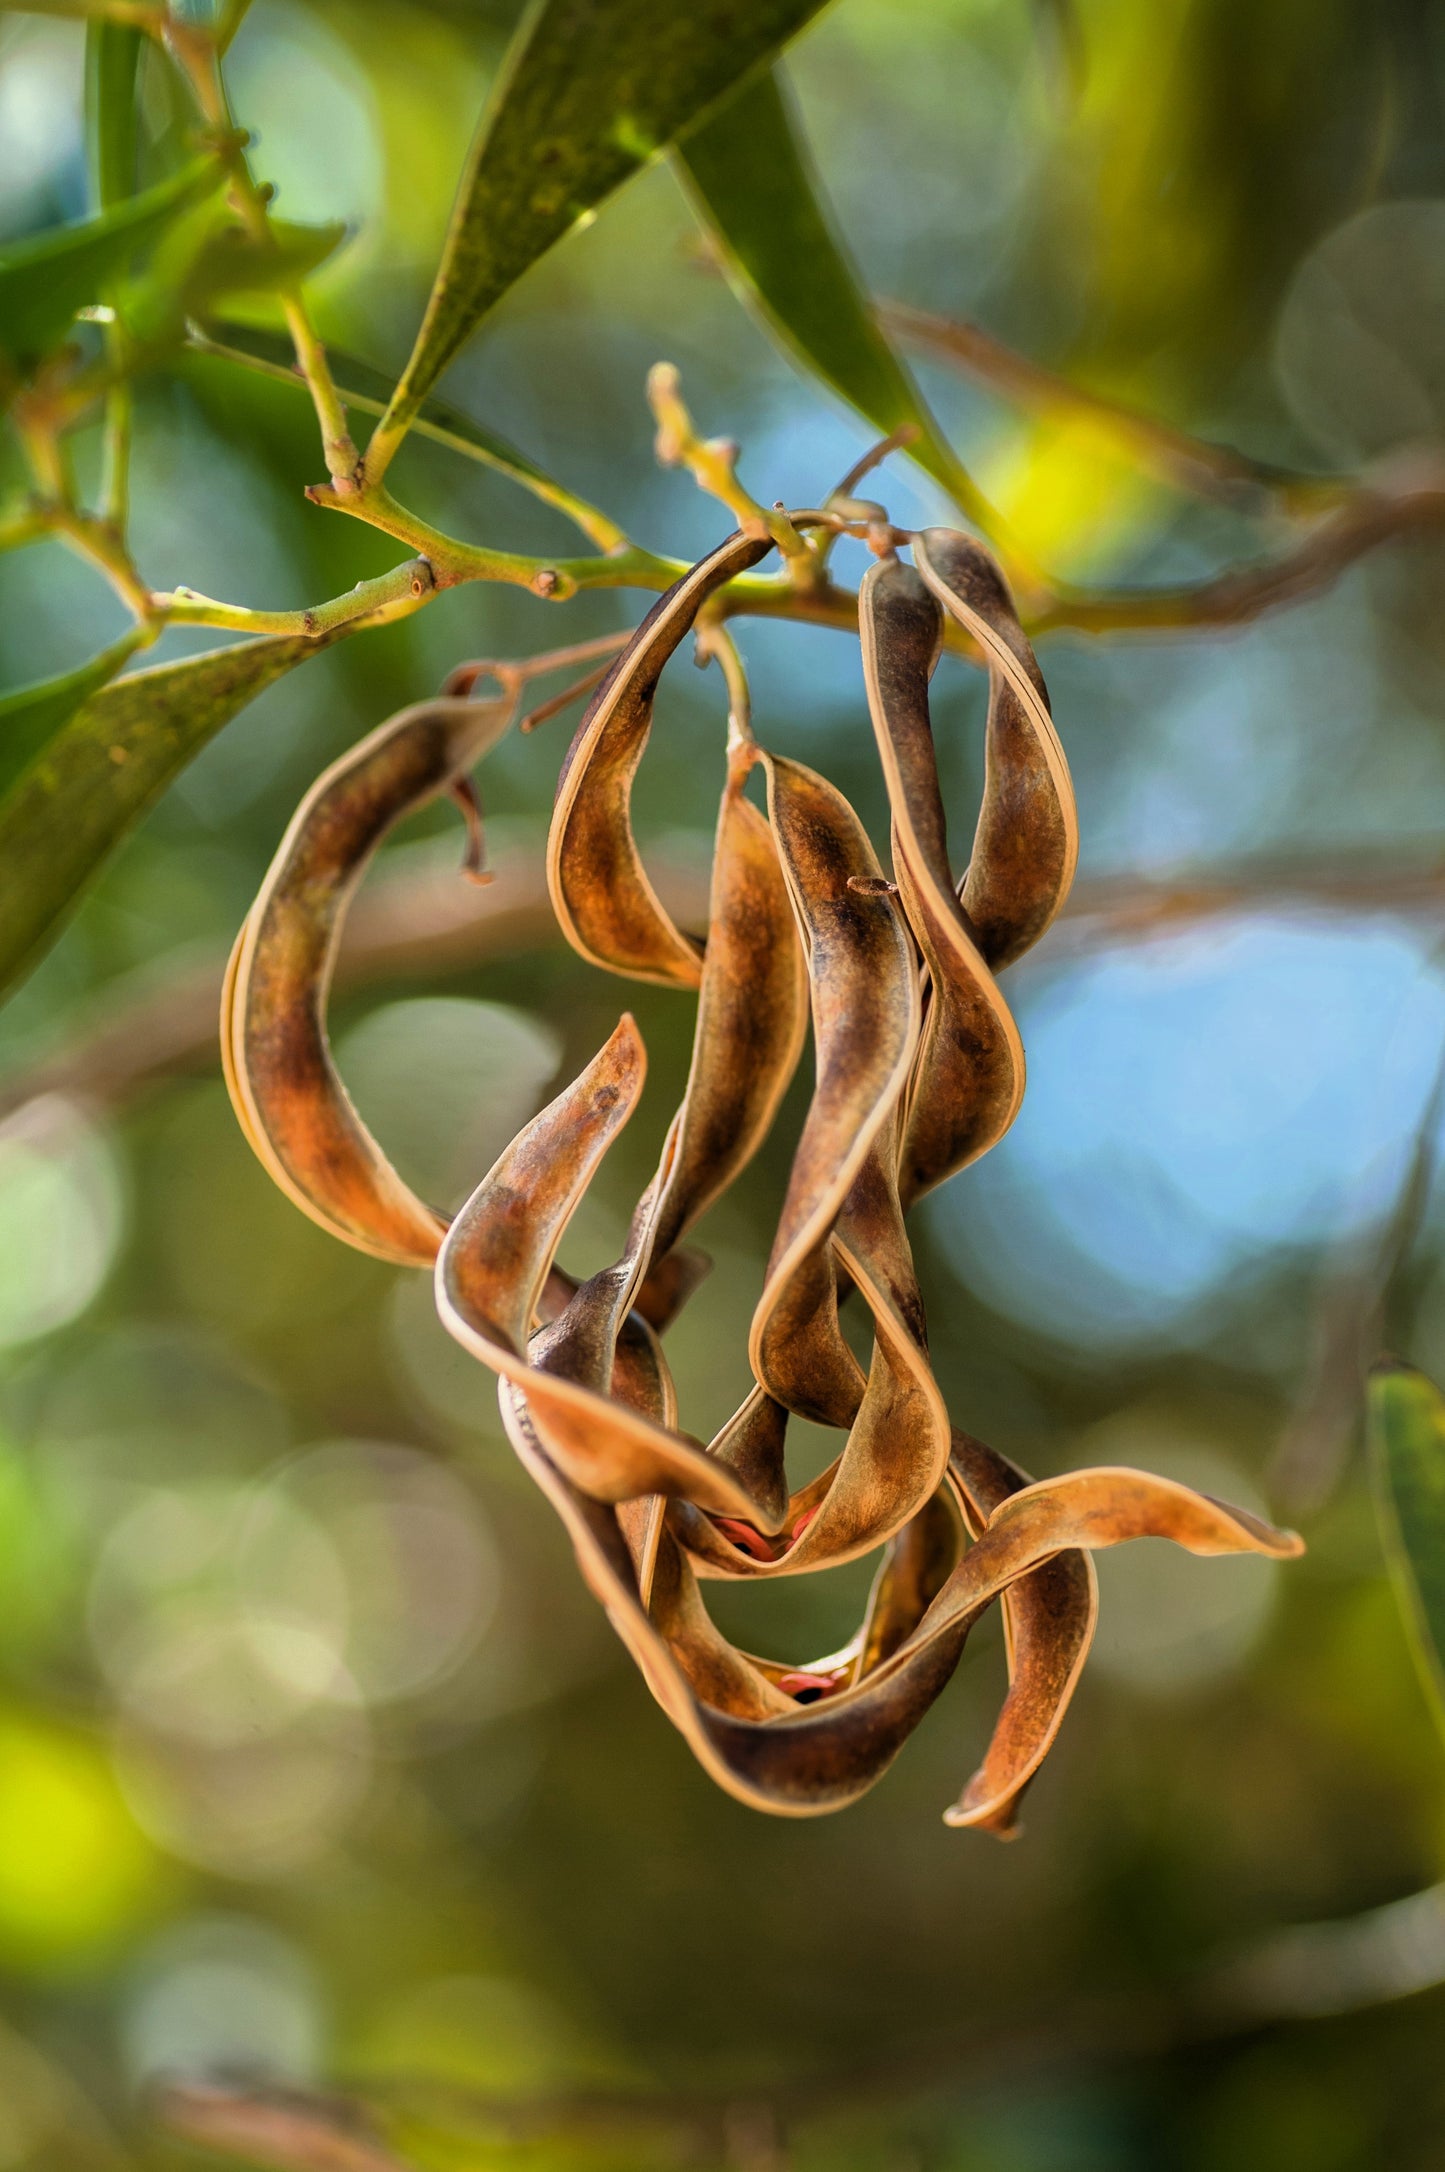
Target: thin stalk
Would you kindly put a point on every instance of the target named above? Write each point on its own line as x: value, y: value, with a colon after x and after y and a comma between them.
x: 596, y: 525
x: 1173, y: 456
x: 398, y: 592
x: 196, y: 52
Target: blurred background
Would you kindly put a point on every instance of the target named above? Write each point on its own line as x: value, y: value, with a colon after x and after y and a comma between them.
x: 317, y: 1763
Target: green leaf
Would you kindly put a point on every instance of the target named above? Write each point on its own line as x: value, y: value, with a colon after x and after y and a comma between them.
x: 365, y: 387
x: 106, y: 765
x: 32, y: 715
x: 47, y: 278
x: 112, y: 137
x: 1407, y: 1455
x: 207, y: 259
x: 753, y: 185
x: 235, y: 262
x: 590, y: 91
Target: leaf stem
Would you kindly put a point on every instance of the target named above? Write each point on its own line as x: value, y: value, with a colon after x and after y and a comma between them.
x: 596, y: 525
x: 196, y: 51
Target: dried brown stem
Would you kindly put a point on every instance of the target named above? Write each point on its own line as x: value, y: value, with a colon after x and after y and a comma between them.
x: 277, y: 2128
x: 420, y: 918
x: 1406, y: 498
x: 1188, y: 463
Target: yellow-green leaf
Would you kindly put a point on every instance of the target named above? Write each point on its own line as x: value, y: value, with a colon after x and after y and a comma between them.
x: 93, y: 777
x: 32, y: 715
x: 1407, y: 1454
x: 753, y: 185
x: 591, y: 91
x: 45, y: 279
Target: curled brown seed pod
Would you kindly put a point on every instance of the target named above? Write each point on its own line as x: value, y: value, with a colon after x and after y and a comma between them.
x: 809, y: 1761
x: 1026, y: 846
x: 605, y: 904
x: 1049, y: 1618
x: 897, y: 1448
x: 915, y: 1567
x: 491, y: 1271
x: 291, y: 1103
x: 968, y: 1078
x: 864, y: 991
x: 751, y: 1020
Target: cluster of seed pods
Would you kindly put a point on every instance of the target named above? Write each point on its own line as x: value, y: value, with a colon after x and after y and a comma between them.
x: 918, y: 1070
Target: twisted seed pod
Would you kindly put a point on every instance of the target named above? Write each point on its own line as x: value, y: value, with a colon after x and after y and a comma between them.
x: 1026, y: 846
x: 1049, y: 1618
x: 897, y: 1448
x: 291, y: 1103
x: 604, y: 902
x: 749, y: 1033
x: 751, y: 1019
x: 864, y: 991
x: 968, y: 1078
x: 842, y: 1200
x: 491, y: 1271
x: 803, y: 1763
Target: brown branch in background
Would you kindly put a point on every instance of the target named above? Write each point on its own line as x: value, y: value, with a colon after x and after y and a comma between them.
x: 417, y: 917
x: 1291, y: 1974
x: 1131, y: 908
x: 1339, y: 519
x: 1193, y: 464
x: 281, y: 2129
x: 1400, y: 498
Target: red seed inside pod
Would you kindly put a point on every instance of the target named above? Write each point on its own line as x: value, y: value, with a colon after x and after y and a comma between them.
x: 808, y: 1688
x: 745, y: 1537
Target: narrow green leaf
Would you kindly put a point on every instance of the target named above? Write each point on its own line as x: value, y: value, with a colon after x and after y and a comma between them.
x: 47, y: 278
x: 753, y: 185
x: 366, y: 388
x: 208, y: 259
x: 1407, y: 1454
x: 112, y: 135
x: 106, y: 765
x: 235, y: 262
x: 591, y: 91
x: 32, y: 715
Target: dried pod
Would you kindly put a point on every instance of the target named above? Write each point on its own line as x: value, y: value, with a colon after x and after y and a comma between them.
x: 864, y: 990
x: 1026, y: 846
x: 918, y: 1069
x: 808, y: 1761
x: 1049, y: 1617
x: 968, y: 1079
x: 751, y: 1020
x: 291, y: 1103
x: 605, y: 904
x: 493, y: 1266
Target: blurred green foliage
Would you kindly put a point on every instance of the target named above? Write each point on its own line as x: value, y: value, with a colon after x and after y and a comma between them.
x: 316, y: 1762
